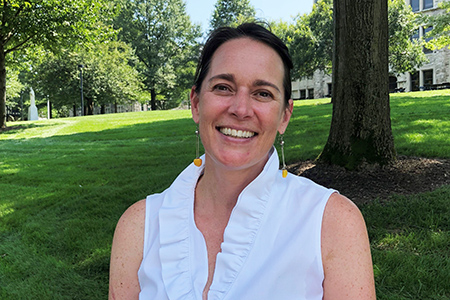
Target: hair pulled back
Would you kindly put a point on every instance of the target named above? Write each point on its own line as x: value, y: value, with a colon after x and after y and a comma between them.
x: 247, y: 30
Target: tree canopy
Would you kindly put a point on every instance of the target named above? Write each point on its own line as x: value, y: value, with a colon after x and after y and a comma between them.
x: 231, y: 12
x: 162, y: 35
x: 311, y: 39
x: 50, y: 23
x: 440, y: 34
x: 405, y: 54
x: 107, y: 74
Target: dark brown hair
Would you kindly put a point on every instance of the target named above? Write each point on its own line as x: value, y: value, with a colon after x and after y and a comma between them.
x: 249, y: 30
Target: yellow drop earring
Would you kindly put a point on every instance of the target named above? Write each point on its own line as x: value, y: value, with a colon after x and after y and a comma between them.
x: 284, y: 171
x: 197, y: 160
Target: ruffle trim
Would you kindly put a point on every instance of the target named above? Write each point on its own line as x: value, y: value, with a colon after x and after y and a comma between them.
x: 177, y: 228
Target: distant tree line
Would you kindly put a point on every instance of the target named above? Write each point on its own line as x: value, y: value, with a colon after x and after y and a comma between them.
x: 146, y: 50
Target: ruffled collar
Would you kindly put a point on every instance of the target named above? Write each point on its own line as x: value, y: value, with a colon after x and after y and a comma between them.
x: 180, y: 270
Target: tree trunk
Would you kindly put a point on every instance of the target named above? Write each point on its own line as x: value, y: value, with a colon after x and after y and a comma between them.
x: 153, y: 99
x: 89, y: 107
x: 74, y: 110
x: 2, y: 88
x: 102, y: 109
x: 361, y: 126
x: 50, y: 113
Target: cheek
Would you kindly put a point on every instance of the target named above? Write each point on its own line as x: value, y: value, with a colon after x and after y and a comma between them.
x: 209, y: 109
x: 271, y: 118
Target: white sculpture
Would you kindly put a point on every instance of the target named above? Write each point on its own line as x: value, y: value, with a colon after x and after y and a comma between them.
x: 32, y: 110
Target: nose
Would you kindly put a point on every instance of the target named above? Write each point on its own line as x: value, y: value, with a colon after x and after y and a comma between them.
x: 241, y: 105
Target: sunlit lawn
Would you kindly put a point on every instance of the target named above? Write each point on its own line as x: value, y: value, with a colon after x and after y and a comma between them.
x: 65, y: 182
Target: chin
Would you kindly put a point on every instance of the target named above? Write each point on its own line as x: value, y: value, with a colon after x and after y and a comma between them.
x: 240, y: 161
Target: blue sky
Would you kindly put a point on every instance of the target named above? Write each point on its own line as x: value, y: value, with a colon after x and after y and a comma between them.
x: 201, y: 10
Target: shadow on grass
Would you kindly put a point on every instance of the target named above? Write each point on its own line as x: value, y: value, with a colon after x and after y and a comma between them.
x: 13, y: 129
x: 410, y: 238
x: 421, y: 126
x: 62, y: 196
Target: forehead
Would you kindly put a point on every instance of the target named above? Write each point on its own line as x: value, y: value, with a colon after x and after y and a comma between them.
x: 247, y: 57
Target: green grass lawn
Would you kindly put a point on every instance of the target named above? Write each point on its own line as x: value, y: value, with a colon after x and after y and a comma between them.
x: 65, y: 182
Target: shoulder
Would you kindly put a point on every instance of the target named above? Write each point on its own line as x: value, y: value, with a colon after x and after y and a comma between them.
x: 342, y: 224
x: 341, y: 215
x: 131, y: 223
x: 126, y: 252
x: 346, y: 254
x: 135, y: 214
x: 130, y: 227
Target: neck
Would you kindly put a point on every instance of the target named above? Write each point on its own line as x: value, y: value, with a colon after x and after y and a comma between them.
x: 219, y: 187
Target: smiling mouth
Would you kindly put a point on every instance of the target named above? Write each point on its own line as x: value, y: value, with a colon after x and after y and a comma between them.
x: 237, y: 133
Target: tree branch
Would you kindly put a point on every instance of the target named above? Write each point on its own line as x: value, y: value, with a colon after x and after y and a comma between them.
x: 8, y: 36
x: 4, y: 10
x: 19, y: 46
x: 142, y: 60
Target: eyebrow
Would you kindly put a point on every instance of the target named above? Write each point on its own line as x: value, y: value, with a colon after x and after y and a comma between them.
x: 258, y: 82
x: 226, y: 76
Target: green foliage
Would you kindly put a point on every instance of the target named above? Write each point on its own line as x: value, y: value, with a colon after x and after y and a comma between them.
x: 440, y: 34
x: 65, y: 182
x: 419, y: 120
x: 231, y: 13
x: 282, y: 30
x: 164, y: 40
x: 405, y: 54
x: 410, y: 237
x: 51, y: 24
x: 420, y: 123
x: 108, y: 76
x: 310, y: 39
x: 14, y: 86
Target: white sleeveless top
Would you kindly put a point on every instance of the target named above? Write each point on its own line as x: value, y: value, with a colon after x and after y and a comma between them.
x: 271, y: 248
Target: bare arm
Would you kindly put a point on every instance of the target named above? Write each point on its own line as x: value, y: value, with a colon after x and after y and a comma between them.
x: 126, y: 253
x: 346, y: 252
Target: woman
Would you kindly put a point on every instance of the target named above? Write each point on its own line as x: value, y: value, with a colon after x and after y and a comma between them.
x: 234, y: 227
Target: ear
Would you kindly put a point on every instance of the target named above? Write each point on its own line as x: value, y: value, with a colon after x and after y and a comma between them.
x: 286, y: 116
x: 194, y: 104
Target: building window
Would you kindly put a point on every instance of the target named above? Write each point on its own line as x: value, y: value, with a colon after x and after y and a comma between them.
x: 427, y: 38
x: 302, y: 94
x: 427, y: 79
x: 415, y: 5
x: 310, y: 93
x: 427, y: 4
x: 414, y: 81
x: 330, y: 89
x: 392, y: 84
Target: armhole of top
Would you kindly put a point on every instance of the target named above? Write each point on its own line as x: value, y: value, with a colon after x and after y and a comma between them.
x: 146, y: 227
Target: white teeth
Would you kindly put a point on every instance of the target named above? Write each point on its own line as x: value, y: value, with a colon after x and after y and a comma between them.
x: 237, y: 133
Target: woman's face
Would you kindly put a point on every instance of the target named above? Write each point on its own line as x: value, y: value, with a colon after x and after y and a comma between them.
x: 240, y: 107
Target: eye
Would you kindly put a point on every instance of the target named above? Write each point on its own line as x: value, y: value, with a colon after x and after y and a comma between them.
x: 222, y: 88
x: 264, y: 95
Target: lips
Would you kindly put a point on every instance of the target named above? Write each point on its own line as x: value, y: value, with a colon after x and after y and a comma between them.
x: 243, y: 134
